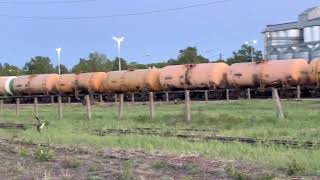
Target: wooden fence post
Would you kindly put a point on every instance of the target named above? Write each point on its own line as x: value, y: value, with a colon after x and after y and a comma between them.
x: 249, y: 93
x: 115, y: 99
x: 132, y: 97
x: 206, y: 96
x: 299, y: 92
x: 17, y: 107
x: 120, y: 111
x: 151, y: 100
x: 52, y: 99
x: 187, y: 105
x: 101, y: 99
x: 280, y: 114
x: 60, y: 107
x: 1, y: 105
x: 167, y: 96
x: 227, y: 95
x: 88, y: 107
x: 35, y: 101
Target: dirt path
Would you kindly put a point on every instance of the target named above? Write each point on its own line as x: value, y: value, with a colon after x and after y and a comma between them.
x: 19, y: 161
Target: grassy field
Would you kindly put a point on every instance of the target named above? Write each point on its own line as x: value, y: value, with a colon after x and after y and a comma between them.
x: 238, y: 118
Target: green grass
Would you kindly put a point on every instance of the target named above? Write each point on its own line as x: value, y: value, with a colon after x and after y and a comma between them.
x: 238, y: 118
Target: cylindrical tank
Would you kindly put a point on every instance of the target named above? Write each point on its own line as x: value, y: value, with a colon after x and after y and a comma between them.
x: 315, y: 54
x: 133, y: 81
x: 288, y: 54
x: 285, y: 72
x: 66, y: 83
x: 35, y: 84
x: 316, y: 33
x: 303, y: 53
x: 314, y: 72
x: 193, y: 76
x: 307, y: 33
x: 6, y: 85
x: 91, y: 82
x: 243, y: 75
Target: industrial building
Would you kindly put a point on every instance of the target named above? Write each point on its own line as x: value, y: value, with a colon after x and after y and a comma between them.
x: 300, y: 39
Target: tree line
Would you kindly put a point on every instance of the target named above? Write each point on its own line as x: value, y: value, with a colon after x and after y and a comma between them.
x: 97, y: 62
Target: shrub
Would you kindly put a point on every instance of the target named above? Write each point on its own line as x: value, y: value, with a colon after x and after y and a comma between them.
x: 43, y: 154
x: 295, y: 168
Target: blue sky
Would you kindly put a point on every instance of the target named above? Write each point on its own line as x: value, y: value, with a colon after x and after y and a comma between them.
x: 222, y: 27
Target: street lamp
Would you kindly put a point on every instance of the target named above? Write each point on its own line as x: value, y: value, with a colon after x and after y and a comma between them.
x: 58, y: 52
x: 119, y: 40
x: 252, y: 44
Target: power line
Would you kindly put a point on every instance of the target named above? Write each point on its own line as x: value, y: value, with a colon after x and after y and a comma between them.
x: 44, y: 2
x: 211, y: 3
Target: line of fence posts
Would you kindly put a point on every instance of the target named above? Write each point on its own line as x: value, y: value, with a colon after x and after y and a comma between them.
x: 120, y: 98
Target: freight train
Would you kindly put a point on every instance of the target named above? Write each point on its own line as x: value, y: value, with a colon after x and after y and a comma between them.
x: 207, y: 76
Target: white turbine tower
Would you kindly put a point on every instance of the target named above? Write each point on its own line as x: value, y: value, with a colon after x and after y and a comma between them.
x: 59, y: 53
x: 119, y: 40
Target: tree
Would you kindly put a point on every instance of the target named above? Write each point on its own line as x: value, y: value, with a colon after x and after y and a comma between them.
x: 63, y: 69
x: 124, y: 65
x: 10, y: 70
x: 38, y: 65
x: 134, y: 65
x: 244, y: 55
x: 96, y: 62
x: 189, y: 56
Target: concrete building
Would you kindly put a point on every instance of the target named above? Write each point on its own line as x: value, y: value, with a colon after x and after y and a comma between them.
x: 300, y: 39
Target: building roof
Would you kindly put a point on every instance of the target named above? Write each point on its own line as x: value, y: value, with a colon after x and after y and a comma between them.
x: 310, y: 17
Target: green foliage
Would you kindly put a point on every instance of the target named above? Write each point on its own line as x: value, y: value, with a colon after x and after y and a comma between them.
x: 294, y: 168
x: 9, y: 70
x: 244, y: 118
x: 161, y: 164
x: 232, y: 171
x: 188, y: 56
x: 24, y: 152
x: 63, y: 69
x: 135, y: 65
x: 115, y: 66
x: 244, y: 55
x: 39, y: 65
x: 126, y: 170
x: 43, y: 154
x: 95, y: 63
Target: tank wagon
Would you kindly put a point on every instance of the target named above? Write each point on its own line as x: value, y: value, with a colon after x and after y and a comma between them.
x: 194, y: 76
x: 133, y: 81
x: 314, y: 71
x: 67, y: 84
x: 6, y: 85
x: 269, y: 73
x: 43, y: 84
x: 91, y: 82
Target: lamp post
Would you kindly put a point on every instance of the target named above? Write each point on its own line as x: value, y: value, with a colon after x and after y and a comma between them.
x: 119, y: 40
x: 252, y: 44
x: 59, y: 53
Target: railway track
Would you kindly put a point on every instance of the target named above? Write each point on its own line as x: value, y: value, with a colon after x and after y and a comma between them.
x: 191, y: 135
